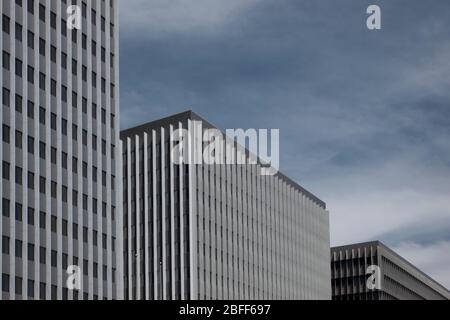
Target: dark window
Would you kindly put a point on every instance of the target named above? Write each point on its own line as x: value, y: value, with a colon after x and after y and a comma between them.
x: 30, y: 74
x: 84, y: 73
x: 94, y: 48
x: 41, y: 115
x: 75, y: 231
x: 85, y: 169
x: 18, y: 103
x: 53, y: 53
x: 64, y: 127
x: 42, y: 257
x: 5, y: 208
x: 18, y: 249
x: 30, y: 145
x: 64, y: 230
x: 42, y: 293
x: 31, y: 216
x: 53, y: 87
x: 31, y: 180
x: 6, y: 134
x: 6, y: 23
x: 5, y: 170
x: 31, y: 252
x: 31, y: 289
x: 18, y: 139
x: 18, y: 212
x: 18, y: 285
x: 5, y: 97
x: 53, y: 121
x: 42, y: 185
x: 41, y: 81
x: 42, y: 220
x: 74, y: 67
x: 84, y: 41
x: 18, y: 32
x: 53, y: 20
x: 85, y: 202
x: 53, y: 155
x: 19, y: 175
x: 42, y: 12
x: 84, y: 137
x: 41, y: 46
x: 53, y: 191
x: 30, y: 40
x: 18, y: 68
x: 64, y: 27
x: 64, y: 194
x: 6, y: 62
x: 104, y: 241
x: 74, y: 132
x: 42, y: 150
x: 31, y: 6
x: 30, y: 110
x: 5, y: 245
x: 5, y: 282
x: 54, y: 259
x: 75, y: 198
x: 85, y: 234
x: 64, y: 60
x: 64, y: 160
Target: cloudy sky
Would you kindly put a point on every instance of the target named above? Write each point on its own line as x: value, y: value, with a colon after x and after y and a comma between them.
x: 364, y: 115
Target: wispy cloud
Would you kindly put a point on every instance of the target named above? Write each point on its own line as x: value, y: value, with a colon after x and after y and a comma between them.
x: 157, y: 18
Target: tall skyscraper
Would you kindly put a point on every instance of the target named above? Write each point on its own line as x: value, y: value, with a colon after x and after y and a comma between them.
x: 59, y: 156
x: 372, y: 271
x: 222, y: 231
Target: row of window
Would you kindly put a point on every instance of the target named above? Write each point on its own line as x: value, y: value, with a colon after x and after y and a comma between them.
x: 18, y: 244
x: 42, y: 289
x: 42, y: 16
x: 42, y: 222
x: 53, y: 83
x: 53, y: 50
x: 18, y: 103
x: 6, y: 173
x: 42, y: 146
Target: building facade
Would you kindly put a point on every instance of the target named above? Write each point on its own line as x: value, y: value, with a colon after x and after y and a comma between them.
x: 396, y: 278
x: 217, y: 231
x: 59, y: 155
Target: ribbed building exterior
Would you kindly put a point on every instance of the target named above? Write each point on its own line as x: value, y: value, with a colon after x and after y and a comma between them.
x: 59, y: 156
x: 399, y: 279
x: 196, y: 231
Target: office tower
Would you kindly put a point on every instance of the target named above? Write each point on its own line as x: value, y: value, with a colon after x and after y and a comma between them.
x: 353, y: 276
x: 222, y: 231
x: 59, y: 154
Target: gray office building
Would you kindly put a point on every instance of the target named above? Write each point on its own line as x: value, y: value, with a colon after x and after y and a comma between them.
x: 216, y: 231
x: 372, y: 271
x: 59, y: 156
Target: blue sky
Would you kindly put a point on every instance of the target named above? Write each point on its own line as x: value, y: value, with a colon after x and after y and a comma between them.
x: 364, y: 116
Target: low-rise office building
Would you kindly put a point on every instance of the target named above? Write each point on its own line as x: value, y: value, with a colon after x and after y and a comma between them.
x: 372, y: 271
x: 222, y: 231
